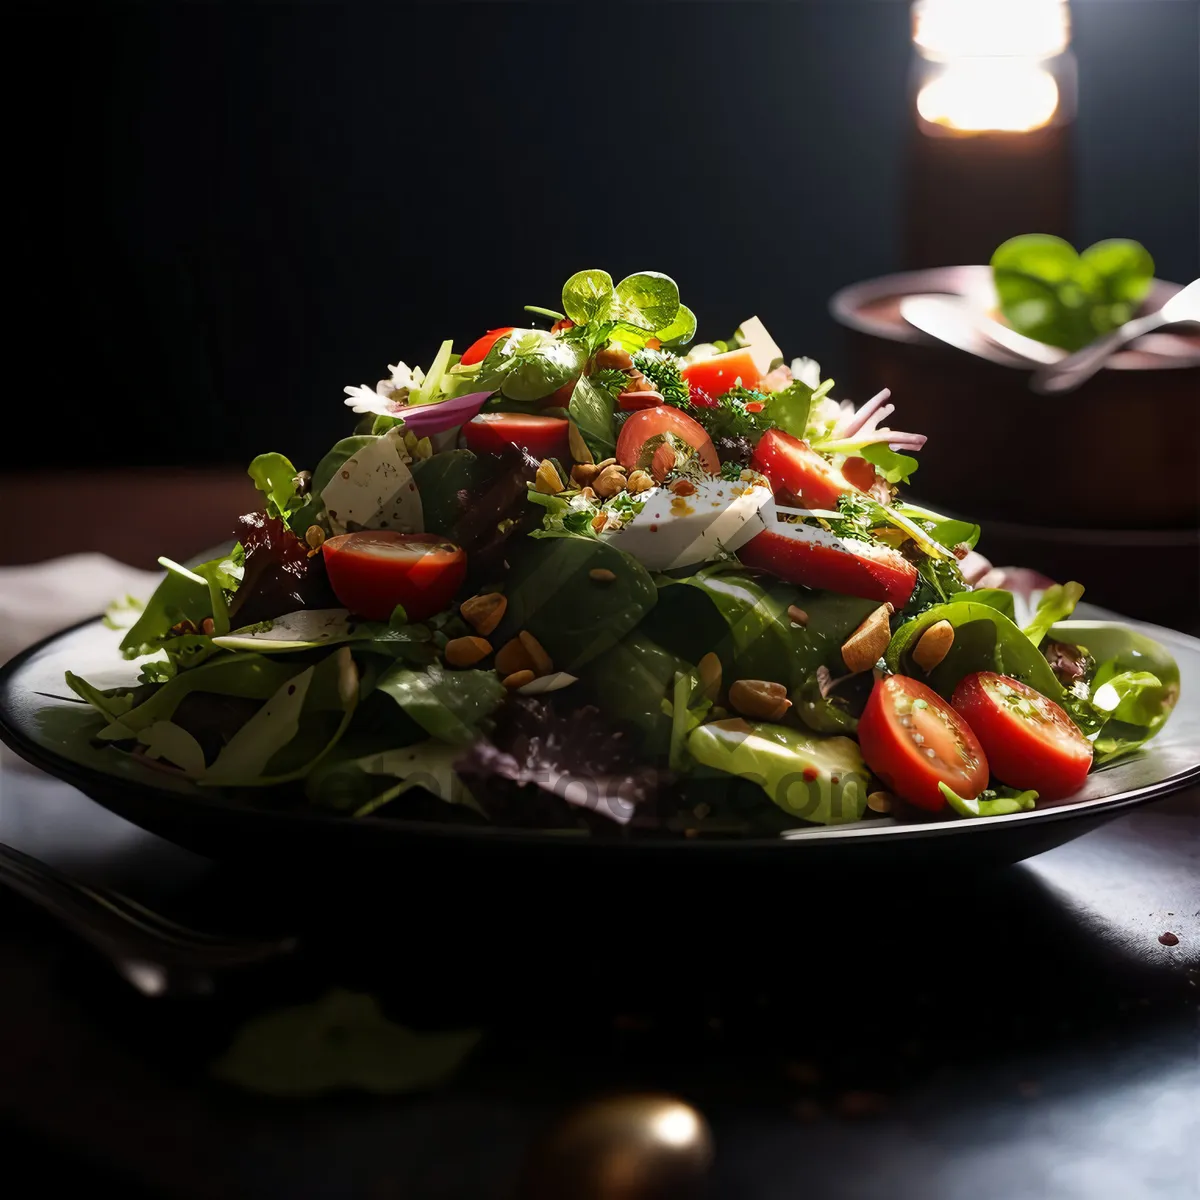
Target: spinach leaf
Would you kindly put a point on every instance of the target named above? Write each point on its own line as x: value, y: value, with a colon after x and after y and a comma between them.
x: 1127, y: 707
x: 744, y: 620
x: 647, y: 300
x: 1057, y: 604
x: 687, y: 707
x: 591, y: 407
x: 1124, y: 272
x: 893, y: 466
x: 984, y: 640
x: 530, y: 364
x: 449, y: 705
x: 275, y: 477
x: 997, y: 598
x: 587, y: 296
x: 183, y: 595
x: 322, y: 477
x: 552, y: 593
x: 447, y: 483
x: 991, y: 802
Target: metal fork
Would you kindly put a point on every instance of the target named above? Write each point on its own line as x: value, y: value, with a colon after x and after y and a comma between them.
x: 155, y: 954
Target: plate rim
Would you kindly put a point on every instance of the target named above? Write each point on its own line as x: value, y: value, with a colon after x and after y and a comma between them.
x: 78, y: 776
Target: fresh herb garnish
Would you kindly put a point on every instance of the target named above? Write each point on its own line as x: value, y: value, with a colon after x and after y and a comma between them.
x: 661, y: 367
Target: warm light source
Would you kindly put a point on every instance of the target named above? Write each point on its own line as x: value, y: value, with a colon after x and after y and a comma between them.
x: 992, y: 65
x: 1013, y: 97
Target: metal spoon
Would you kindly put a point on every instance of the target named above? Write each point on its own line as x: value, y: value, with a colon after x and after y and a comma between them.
x: 156, y: 955
x: 1070, y: 372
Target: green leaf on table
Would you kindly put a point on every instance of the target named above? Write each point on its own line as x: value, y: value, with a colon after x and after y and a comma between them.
x: 341, y: 1042
x: 1057, y: 604
x: 587, y: 296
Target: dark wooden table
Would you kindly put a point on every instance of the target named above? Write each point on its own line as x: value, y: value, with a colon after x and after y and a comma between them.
x: 1025, y: 1033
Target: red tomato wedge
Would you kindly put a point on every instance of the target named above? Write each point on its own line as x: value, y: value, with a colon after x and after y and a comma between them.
x: 493, y: 433
x: 798, y: 472
x: 374, y: 570
x: 1030, y: 741
x: 661, y: 420
x: 718, y: 374
x: 860, y: 473
x: 913, y: 740
x: 818, y: 559
x: 478, y: 351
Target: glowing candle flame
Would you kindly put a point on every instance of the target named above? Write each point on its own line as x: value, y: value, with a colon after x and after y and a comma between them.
x: 1008, y: 95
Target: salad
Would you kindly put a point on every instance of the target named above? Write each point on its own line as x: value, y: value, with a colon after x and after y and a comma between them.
x: 589, y: 575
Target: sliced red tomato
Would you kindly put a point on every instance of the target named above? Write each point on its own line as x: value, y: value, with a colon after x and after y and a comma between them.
x: 699, y: 397
x: 374, y: 570
x: 493, y: 433
x: 659, y: 422
x: 478, y: 351
x: 913, y: 740
x: 798, y: 472
x: 818, y: 559
x: 633, y: 401
x: 1030, y: 741
x: 718, y: 374
x: 860, y: 473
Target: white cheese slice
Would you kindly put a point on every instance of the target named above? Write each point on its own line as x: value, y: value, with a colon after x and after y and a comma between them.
x: 676, y: 531
x: 761, y: 345
x: 374, y: 489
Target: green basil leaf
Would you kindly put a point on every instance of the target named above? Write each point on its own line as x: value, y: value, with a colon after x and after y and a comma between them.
x: 587, y: 296
x: 648, y: 300
x: 275, y: 477
x: 1124, y: 272
x: 529, y: 364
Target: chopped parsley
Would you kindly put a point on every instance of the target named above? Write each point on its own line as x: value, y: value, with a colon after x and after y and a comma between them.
x: 661, y: 367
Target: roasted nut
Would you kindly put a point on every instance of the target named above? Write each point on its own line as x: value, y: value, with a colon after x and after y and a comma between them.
x: 587, y: 493
x: 518, y: 679
x: 610, y: 481
x: 709, y: 668
x: 484, y: 613
x: 760, y: 699
x: 547, y: 479
x: 542, y: 664
x: 933, y: 645
x: 683, y: 487
x: 613, y: 358
x: 605, y: 462
x: 467, y: 651
x: 601, y: 575
x: 207, y: 626
x: 314, y: 535
x: 599, y: 521
x: 583, y: 473
x: 513, y: 656
x: 866, y: 645
x: 639, y: 481
x: 797, y: 615
x: 579, y: 448
x: 880, y: 802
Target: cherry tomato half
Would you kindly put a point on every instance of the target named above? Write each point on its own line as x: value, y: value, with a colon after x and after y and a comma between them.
x: 493, y: 433
x: 913, y: 740
x: 1029, y: 740
x: 374, y: 570
x: 716, y: 375
x: 663, y: 419
x: 478, y: 351
x: 797, y: 471
x: 818, y: 559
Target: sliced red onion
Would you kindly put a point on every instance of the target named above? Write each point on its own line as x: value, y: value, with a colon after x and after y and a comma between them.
x: 860, y: 418
x: 895, y: 439
x: 426, y: 419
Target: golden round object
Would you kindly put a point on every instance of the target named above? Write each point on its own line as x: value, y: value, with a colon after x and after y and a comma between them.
x: 626, y: 1147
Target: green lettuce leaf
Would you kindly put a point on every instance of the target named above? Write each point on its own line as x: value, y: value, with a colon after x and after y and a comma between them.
x: 275, y: 477
x: 1057, y: 604
x: 451, y: 706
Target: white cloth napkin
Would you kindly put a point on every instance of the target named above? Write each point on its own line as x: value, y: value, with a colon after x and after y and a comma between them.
x: 39, y: 598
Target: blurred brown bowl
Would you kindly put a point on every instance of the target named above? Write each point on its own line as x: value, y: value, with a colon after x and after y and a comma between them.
x: 1122, y: 452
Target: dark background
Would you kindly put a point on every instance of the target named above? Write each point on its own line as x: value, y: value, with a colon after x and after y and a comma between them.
x: 230, y: 212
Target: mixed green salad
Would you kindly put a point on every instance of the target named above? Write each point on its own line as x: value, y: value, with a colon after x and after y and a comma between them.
x: 588, y: 574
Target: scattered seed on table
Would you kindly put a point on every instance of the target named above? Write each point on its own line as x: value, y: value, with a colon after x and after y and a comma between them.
x: 1168, y: 938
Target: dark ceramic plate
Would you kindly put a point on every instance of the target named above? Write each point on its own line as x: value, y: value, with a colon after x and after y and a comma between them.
x: 41, y: 725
